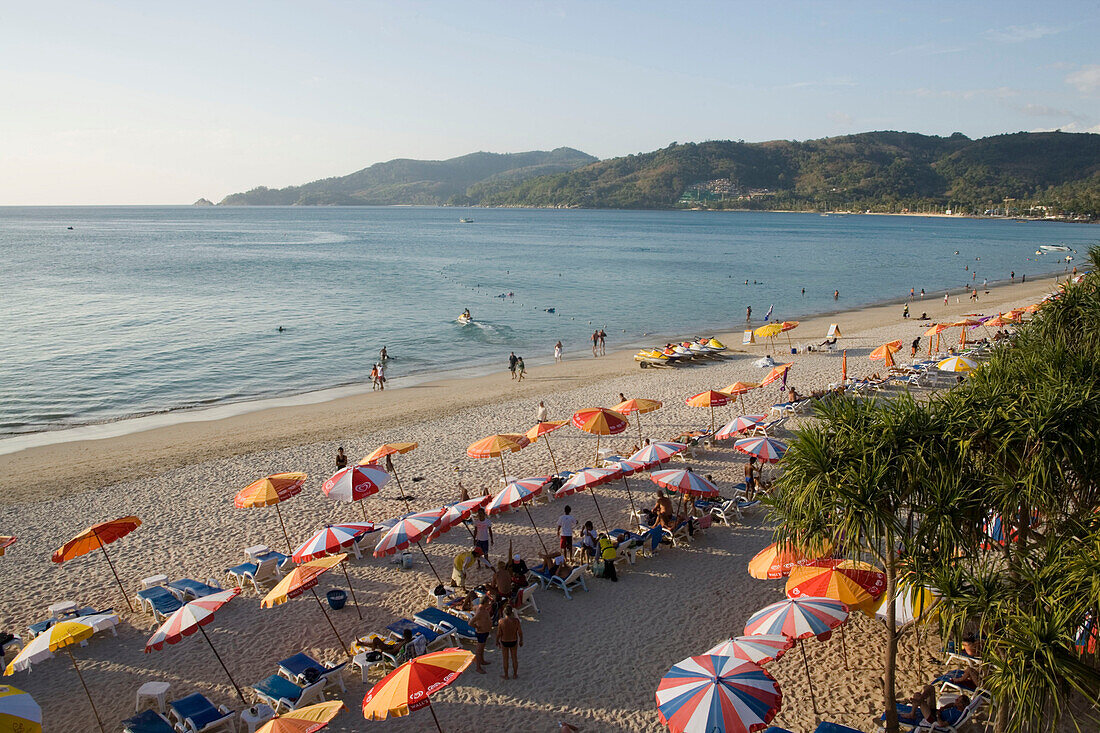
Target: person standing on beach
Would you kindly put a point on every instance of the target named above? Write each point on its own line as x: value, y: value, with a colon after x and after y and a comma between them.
x: 483, y: 532
x: 748, y: 313
x: 915, y: 347
x: 483, y: 626
x: 565, y: 525
x: 595, y: 343
x: 512, y: 359
x: 1023, y: 279
x: 603, y: 338
x: 509, y: 636
x: 521, y: 369
x: 945, y: 298
x: 374, y: 378
x: 1012, y: 277
x: 381, y: 377
x: 341, y: 458
x: 542, y: 414
x: 922, y: 293
x: 557, y: 352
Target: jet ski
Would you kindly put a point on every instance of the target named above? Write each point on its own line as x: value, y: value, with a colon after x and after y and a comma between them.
x: 463, y: 319
x: 652, y: 357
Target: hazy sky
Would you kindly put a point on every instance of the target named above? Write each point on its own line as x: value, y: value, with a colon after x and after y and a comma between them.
x: 158, y: 102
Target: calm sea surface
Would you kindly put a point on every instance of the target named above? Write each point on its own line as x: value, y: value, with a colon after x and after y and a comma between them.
x: 144, y: 310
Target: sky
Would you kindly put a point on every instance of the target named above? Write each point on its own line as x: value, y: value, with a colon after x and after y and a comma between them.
x: 163, y: 103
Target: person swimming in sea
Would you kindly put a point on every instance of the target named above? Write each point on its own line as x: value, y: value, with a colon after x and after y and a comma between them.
x: 280, y: 329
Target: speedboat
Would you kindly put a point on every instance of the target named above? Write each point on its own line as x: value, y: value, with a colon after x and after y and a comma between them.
x: 465, y: 221
x: 1056, y: 248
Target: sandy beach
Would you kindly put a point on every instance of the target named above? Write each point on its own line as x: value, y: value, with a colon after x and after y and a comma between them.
x: 593, y: 661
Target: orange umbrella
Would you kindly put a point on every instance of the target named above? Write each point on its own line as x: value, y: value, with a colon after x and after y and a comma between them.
x: 271, y: 490
x: 386, y: 451
x: 739, y: 389
x: 498, y: 445
x: 779, y: 372
x: 844, y: 367
x: 886, y: 352
x: 309, y: 719
x: 410, y: 686
x: 775, y: 562
x: 788, y: 326
x: 301, y: 579
x: 97, y: 537
x: 859, y: 585
x: 599, y: 421
x: 543, y: 429
x: 936, y: 330
x: 711, y: 399
x: 640, y: 406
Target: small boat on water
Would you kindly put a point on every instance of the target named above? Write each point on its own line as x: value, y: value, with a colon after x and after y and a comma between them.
x: 465, y: 221
x: 1056, y: 248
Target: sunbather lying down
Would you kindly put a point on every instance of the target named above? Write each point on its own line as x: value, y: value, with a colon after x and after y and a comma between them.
x: 924, y: 701
x: 553, y: 564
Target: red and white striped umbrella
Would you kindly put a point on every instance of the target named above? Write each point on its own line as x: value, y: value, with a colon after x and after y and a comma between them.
x: 742, y: 424
x: 331, y: 539
x: 684, y: 481
x: 585, y: 479
x: 627, y: 467
x: 455, y: 514
x: 517, y: 493
x: 188, y: 619
x: 655, y: 454
x: 756, y: 649
x: 407, y: 531
x: 766, y: 449
x: 355, y: 483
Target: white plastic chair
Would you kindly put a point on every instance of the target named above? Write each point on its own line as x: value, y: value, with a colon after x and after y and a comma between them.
x: 575, y: 579
x: 526, y: 599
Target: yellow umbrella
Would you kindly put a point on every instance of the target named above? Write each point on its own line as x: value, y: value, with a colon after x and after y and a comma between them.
x: 410, y: 686
x: 304, y: 720
x: 271, y: 490
x: 957, y: 364
x: 62, y: 635
x: 769, y: 331
x: 639, y: 405
x: 301, y: 579
x: 599, y: 421
x: 739, y: 389
x: 711, y: 398
x: 18, y: 711
x: 495, y: 446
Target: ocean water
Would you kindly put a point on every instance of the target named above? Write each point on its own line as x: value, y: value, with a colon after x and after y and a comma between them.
x: 139, y: 310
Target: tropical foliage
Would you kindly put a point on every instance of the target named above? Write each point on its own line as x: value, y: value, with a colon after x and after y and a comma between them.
x: 910, y: 485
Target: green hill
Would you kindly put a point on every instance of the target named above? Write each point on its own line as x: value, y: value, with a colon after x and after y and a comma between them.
x: 427, y: 182
x: 879, y: 171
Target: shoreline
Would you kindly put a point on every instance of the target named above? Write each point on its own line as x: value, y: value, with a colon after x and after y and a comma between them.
x: 94, y: 462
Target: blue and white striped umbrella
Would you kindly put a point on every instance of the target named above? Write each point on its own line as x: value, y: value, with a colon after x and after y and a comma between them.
x: 717, y: 694
x: 798, y: 618
x: 407, y: 531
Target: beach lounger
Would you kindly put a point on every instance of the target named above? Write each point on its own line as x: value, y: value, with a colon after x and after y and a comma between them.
x: 827, y: 727
x: 434, y: 639
x: 441, y: 621
x: 188, y: 590
x: 526, y: 599
x: 158, y: 601
x: 296, y: 669
x: 261, y: 574
x: 627, y: 550
x: 147, y: 721
x: 569, y: 584
x: 776, y: 729
x: 196, y: 714
x: 282, y: 694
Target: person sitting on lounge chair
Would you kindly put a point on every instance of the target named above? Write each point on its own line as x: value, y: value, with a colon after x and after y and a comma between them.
x: 518, y: 568
x: 925, y: 701
x: 554, y: 565
x: 663, y: 507
x: 968, y: 678
x: 831, y: 341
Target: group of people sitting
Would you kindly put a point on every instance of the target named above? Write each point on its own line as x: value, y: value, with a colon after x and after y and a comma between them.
x: 924, y: 705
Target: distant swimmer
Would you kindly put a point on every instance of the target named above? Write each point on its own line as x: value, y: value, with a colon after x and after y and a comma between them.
x: 70, y: 229
x: 956, y: 251
x: 383, y: 355
x: 280, y: 329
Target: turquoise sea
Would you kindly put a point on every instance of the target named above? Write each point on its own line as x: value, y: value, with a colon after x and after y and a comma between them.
x: 138, y: 310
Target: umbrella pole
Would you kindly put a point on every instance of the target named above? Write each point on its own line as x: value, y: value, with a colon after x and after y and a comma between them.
x: 597, y: 462
x: 555, y: 460
x: 633, y: 510
x: 844, y: 646
x: 219, y: 656
x: 639, y: 421
x: 806, y: 662
x: 534, y: 527
x: 432, y: 711
x: 399, y: 487
x: 598, y: 510
x: 344, y: 567
x: 86, y: 692
x: 503, y: 473
x: 429, y: 565
x: 329, y: 619
x: 364, y: 508
x: 279, y: 513
x: 113, y: 572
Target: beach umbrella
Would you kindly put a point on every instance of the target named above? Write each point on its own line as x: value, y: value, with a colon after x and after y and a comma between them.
x: 329, y: 540
x: 62, y: 635
x: 756, y: 649
x: 844, y: 366
x: 599, y: 421
x: 307, y: 719
x: 388, y: 451
x: 19, y: 713
x: 586, y: 478
x: 762, y: 447
x: 742, y: 424
x: 541, y: 431
x: 655, y: 454
x: 411, y: 685
x: 858, y: 585
x: 711, y: 693
x: 777, y: 372
x: 271, y: 490
x: 775, y: 561
x: 911, y: 604
x: 303, y: 578
x: 769, y: 331
x: 496, y: 446
x: 97, y: 537
x: 739, y: 390
x: 685, y: 481
x: 711, y: 399
x: 6, y: 542
x: 886, y: 353
x: 519, y: 493
x: 410, y: 529
x: 800, y: 619
x: 639, y: 405
x: 455, y: 514
x: 957, y: 364
x: 355, y: 483
x: 624, y: 468
x: 936, y: 330
x: 188, y: 619
x: 787, y: 327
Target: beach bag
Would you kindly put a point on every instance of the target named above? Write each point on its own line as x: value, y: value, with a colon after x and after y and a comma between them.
x: 598, y: 569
